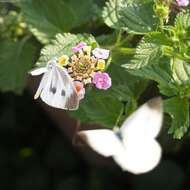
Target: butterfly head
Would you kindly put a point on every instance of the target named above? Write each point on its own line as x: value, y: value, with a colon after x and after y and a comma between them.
x: 52, y: 63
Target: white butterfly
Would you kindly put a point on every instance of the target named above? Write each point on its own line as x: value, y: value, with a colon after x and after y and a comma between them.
x: 56, y: 87
x: 133, y: 146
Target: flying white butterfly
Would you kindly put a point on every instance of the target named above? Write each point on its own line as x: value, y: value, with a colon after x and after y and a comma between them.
x: 56, y: 87
x: 133, y: 146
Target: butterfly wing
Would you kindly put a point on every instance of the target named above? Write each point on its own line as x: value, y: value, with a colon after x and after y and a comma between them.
x: 44, y: 81
x: 103, y: 141
x: 38, y: 71
x: 142, y: 152
x: 146, y: 122
x: 59, y: 91
x: 139, y: 157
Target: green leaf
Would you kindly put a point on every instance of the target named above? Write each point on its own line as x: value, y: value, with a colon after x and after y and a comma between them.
x: 182, y: 21
x: 182, y: 31
x: 149, y: 51
x: 161, y: 73
x: 15, y: 61
x: 99, y: 109
x: 47, y: 17
x: 181, y: 76
x: 180, y: 71
x: 125, y: 86
x: 172, y: 74
x: 133, y: 16
x: 61, y: 45
x: 178, y: 109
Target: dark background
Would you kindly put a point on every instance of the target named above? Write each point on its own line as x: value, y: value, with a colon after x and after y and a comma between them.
x: 35, y: 154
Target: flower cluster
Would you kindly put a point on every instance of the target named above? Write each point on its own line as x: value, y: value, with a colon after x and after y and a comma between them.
x: 86, y: 66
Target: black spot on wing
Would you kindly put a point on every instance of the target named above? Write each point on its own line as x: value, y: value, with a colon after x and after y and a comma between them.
x: 53, y: 89
x: 63, y: 92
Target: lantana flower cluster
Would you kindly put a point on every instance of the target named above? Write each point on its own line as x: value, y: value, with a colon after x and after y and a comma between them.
x: 86, y: 66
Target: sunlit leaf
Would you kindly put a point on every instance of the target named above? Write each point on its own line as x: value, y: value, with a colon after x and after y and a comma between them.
x: 149, y: 51
x: 61, y: 45
x: 132, y: 16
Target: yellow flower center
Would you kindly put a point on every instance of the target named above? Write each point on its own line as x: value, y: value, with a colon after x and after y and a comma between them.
x: 82, y: 67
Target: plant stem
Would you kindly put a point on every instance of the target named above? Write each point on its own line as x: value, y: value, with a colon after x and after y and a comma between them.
x: 128, y: 38
x: 171, y: 53
x: 127, y: 51
x: 119, y: 117
x: 118, y: 40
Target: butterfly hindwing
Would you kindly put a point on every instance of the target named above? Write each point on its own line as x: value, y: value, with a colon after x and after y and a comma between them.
x: 146, y: 122
x: 139, y: 157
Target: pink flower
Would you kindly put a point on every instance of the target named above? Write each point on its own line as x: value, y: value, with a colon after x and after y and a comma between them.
x: 78, y: 47
x: 101, y: 53
x: 182, y: 3
x: 80, y: 89
x: 102, y: 80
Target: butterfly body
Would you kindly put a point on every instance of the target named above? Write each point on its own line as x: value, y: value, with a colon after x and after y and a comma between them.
x: 133, y: 147
x: 119, y: 135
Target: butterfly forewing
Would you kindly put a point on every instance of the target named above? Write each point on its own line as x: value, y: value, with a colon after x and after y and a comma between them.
x: 43, y: 83
x: 38, y: 71
x: 146, y: 122
x: 103, y: 141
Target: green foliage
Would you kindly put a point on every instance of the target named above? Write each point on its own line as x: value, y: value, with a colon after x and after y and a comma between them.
x: 182, y: 22
x: 146, y: 43
x: 125, y: 86
x: 100, y: 109
x: 47, y: 18
x: 164, y: 58
x: 12, y: 26
x: 62, y: 45
x: 161, y: 73
x: 149, y: 51
x: 133, y: 16
x: 178, y: 109
x: 15, y: 61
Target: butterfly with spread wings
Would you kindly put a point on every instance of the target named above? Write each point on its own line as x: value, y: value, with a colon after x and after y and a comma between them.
x: 133, y: 147
x: 56, y: 87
